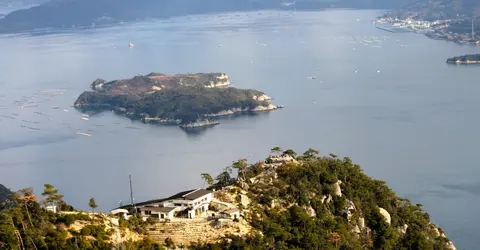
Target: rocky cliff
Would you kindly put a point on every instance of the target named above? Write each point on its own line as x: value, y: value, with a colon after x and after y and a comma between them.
x: 4, y: 195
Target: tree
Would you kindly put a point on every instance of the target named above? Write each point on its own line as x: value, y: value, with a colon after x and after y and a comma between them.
x: 52, y: 197
x: 276, y: 150
x: 26, y: 198
x: 290, y: 152
x: 224, y: 178
x: 334, y: 238
x: 92, y: 204
x: 311, y: 153
x: 207, y: 179
x: 241, y: 166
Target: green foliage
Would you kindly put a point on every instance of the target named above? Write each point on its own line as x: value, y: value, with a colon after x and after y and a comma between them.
x: 135, y: 223
x: 290, y: 152
x: 169, y: 243
x: 5, y: 194
x: 92, y: 204
x: 145, y: 244
x: 224, y: 178
x: 208, y: 179
x: 52, y: 196
x: 27, y: 225
x: 184, y: 103
x: 301, y: 187
x: 276, y: 149
x: 68, y: 219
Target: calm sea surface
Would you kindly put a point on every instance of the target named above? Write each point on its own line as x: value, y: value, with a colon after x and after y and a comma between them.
x: 386, y: 100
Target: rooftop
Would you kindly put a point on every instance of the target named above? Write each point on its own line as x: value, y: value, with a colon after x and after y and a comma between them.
x: 159, y: 209
x: 185, y: 195
x: 196, y: 194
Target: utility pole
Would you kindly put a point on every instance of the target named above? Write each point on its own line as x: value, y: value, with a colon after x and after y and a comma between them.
x: 131, y: 193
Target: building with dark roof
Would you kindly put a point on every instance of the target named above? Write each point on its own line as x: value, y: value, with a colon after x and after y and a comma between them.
x: 188, y: 204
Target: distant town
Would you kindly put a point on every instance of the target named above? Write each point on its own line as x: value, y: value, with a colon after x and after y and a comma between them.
x: 461, y: 30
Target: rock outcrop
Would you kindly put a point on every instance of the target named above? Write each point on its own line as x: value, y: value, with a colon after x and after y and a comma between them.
x: 337, y: 191
x: 385, y: 215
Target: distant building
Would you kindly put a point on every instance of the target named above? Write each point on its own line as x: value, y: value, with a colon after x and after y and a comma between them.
x: 233, y: 213
x: 120, y: 211
x: 51, y: 208
x: 188, y: 204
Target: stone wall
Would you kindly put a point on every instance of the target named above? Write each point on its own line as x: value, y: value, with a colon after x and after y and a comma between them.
x: 180, y: 231
x: 185, y: 231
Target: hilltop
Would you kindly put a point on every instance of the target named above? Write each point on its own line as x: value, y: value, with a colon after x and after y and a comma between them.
x: 431, y: 10
x: 5, y: 194
x: 314, y: 202
x: 89, y: 13
x: 177, y: 99
x: 285, y: 202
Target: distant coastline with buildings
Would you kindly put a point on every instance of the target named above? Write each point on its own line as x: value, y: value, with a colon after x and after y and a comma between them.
x: 453, y: 30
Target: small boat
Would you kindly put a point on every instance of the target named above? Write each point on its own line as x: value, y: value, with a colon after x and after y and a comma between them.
x: 131, y: 45
x: 84, y: 134
x: 311, y: 77
x: 84, y: 118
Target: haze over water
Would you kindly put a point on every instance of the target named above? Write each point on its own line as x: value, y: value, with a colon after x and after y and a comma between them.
x: 386, y: 100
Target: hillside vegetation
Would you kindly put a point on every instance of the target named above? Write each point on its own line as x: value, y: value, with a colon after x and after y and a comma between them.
x: 314, y: 202
x: 288, y: 201
x: 439, y: 9
x: 185, y: 98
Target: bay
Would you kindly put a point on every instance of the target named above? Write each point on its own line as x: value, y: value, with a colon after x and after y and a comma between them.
x: 387, y: 100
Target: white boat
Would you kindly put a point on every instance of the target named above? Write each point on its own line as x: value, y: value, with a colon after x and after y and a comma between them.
x: 131, y: 45
x: 84, y: 118
x: 84, y: 134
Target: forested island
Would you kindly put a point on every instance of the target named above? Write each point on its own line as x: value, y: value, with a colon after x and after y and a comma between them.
x: 287, y: 201
x: 96, y: 13
x: 189, y: 100
x: 466, y: 59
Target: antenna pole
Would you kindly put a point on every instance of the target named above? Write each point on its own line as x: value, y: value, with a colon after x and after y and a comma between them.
x: 131, y: 193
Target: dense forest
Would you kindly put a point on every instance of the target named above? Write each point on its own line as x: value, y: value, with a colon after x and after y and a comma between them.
x: 84, y: 13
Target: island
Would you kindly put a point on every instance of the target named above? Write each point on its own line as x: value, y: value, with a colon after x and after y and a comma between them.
x: 187, y: 100
x: 466, y: 59
x: 286, y: 201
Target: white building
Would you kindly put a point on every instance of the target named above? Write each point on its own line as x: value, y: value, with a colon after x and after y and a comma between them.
x: 189, y: 204
x: 233, y: 213
x: 51, y: 208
